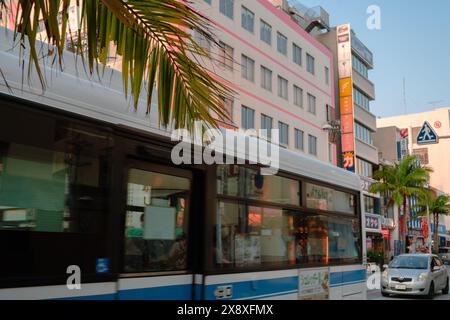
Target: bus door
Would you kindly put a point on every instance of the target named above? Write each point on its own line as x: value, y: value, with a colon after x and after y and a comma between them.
x: 156, y: 220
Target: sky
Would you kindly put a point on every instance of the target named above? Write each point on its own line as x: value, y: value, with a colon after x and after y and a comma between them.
x: 413, y: 43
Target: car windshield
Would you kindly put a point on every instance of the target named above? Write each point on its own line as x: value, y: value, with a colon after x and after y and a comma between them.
x: 409, y: 262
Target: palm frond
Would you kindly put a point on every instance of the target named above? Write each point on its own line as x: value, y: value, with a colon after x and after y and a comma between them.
x: 155, y: 41
x: 402, y: 180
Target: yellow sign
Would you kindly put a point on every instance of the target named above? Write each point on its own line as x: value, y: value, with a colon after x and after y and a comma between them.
x: 345, y: 87
x: 349, y: 161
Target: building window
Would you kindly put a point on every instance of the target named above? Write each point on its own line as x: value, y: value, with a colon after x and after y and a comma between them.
x: 312, y: 145
x: 364, y: 168
x: 227, y: 8
x: 297, y: 54
x: 226, y: 55
x: 298, y: 96
x: 266, y: 124
x: 248, y: 118
x: 369, y: 205
x: 310, y: 63
x: 282, y: 88
x: 364, y: 134
x: 147, y: 249
x: 360, y: 66
x: 266, y: 78
x: 330, y: 113
x: 327, y: 76
x: 311, y: 104
x: 281, y: 43
x: 299, y: 139
x: 202, y: 41
x: 266, y: 32
x: 284, y: 133
x: 248, y: 19
x: 361, y: 99
x: 248, y: 68
x: 227, y: 105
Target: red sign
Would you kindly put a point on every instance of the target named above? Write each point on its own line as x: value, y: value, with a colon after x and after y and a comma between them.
x: 347, y: 123
x: 438, y: 124
x: 425, y: 227
x: 404, y: 133
x: 386, y: 233
x: 348, y: 142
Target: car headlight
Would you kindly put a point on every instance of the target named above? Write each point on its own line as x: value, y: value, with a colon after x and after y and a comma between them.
x: 422, y: 276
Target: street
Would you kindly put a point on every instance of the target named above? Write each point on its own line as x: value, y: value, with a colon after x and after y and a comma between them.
x: 376, y: 295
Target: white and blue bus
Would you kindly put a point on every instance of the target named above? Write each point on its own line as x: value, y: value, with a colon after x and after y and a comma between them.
x: 88, y: 188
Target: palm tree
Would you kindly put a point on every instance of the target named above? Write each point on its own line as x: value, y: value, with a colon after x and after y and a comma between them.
x: 437, y: 206
x: 154, y: 39
x: 400, y: 182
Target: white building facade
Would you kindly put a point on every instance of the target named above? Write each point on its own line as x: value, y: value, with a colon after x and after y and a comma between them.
x: 282, y: 75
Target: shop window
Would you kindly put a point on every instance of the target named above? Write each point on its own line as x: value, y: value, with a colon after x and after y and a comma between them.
x: 327, y: 199
x: 53, y: 195
x: 156, y: 222
x: 244, y: 182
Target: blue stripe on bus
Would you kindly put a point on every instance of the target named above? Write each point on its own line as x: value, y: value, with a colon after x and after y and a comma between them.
x: 347, y: 277
x: 176, y: 292
x: 109, y: 296
x: 198, y: 292
x: 264, y: 287
x: 271, y: 295
x: 241, y: 290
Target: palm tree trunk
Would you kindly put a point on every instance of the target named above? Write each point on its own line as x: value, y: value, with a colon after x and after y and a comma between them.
x: 405, y: 226
x: 400, y: 234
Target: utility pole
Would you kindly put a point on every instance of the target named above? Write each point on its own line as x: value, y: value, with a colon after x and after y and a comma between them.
x: 429, y: 230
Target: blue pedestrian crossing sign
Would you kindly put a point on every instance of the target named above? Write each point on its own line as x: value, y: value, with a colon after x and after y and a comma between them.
x: 427, y: 135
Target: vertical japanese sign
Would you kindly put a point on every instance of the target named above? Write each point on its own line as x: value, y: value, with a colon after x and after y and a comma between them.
x: 346, y: 96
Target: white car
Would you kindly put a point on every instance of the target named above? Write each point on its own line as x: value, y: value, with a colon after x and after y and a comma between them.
x: 415, y: 274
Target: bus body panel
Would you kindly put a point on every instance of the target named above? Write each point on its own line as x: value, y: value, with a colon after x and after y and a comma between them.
x: 255, y: 285
x: 156, y: 288
x: 88, y: 291
x: 346, y: 283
